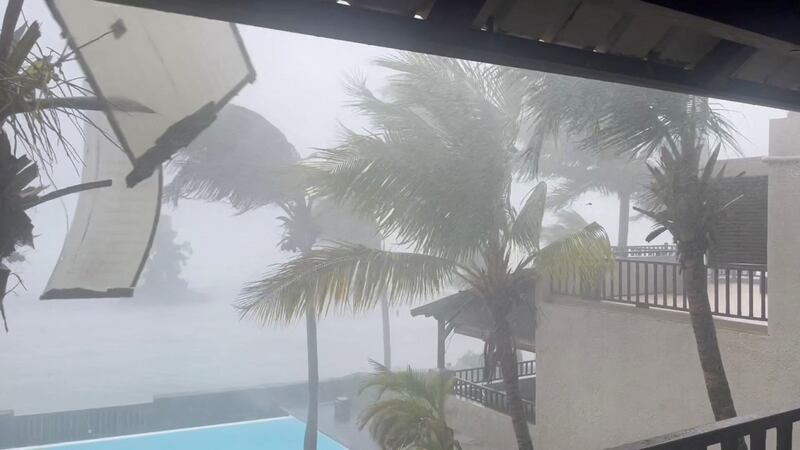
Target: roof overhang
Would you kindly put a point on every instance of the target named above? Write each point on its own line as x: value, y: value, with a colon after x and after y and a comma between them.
x: 465, y: 314
x: 738, y: 50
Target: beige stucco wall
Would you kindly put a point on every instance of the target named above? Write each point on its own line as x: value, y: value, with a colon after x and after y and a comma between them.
x: 609, y: 374
x: 479, y: 428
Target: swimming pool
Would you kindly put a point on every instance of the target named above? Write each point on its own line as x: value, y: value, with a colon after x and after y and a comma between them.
x: 284, y: 433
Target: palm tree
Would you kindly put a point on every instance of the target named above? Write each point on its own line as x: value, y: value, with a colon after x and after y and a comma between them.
x: 244, y: 160
x: 413, y: 417
x: 678, y: 129
x: 582, y: 172
x: 435, y: 171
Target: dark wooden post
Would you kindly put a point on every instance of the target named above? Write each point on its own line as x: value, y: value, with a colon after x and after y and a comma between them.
x: 440, y: 341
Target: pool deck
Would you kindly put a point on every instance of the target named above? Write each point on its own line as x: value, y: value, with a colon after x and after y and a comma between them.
x: 346, y: 433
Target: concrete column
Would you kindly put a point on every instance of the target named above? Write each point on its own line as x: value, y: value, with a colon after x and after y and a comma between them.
x: 783, y: 240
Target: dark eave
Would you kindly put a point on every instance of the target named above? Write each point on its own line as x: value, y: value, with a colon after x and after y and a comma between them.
x: 627, y: 41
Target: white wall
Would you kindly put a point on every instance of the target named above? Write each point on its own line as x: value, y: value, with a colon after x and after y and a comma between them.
x: 609, y: 374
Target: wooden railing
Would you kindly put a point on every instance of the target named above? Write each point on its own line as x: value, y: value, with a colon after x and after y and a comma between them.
x: 737, y: 291
x: 490, y: 398
x: 478, y: 374
x: 636, y: 251
x: 727, y: 433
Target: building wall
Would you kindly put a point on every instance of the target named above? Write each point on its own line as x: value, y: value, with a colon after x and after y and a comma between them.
x: 609, y: 374
x: 480, y: 428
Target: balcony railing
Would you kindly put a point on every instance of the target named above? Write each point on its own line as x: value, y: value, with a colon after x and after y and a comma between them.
x: 490, y: 398
x: 736, y: 291
x: 637, y: 251
x: 727, y: 433
x: 478, y: 374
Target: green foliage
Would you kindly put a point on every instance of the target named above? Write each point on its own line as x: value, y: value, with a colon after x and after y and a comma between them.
x: 567, y: 223
x: 16, y: 173
x: 241, y: 159
x: 436, y: 172
x: 445, y: 133
x: 342, y: 277
x: 691, y: 206
x: 409, y: 412
x: 619, y: 119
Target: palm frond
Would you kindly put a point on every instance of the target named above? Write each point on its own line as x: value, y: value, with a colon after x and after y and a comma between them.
x: 622, y: 119
x: 413, y: 415
x: 586, y: 253
x: 342, y: 277
x: 241, y: 159
x: 527, y: 225
x: 568, y: 222
x: 422, y: 189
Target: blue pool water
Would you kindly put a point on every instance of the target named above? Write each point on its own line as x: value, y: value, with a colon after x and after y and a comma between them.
x: 284, y: 433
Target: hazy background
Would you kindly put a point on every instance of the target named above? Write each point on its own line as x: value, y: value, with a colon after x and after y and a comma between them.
x: 73, y: 354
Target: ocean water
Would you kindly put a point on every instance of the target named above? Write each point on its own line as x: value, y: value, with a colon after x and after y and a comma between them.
x: 68, y: 355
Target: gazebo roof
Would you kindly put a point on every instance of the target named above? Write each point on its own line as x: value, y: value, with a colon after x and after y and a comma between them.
x: 465, y: 314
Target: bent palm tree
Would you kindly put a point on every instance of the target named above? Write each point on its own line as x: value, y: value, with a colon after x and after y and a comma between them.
x: 243, y: 160
x: 639, y: 122
x: 436, y: 172
x: 607, y: 174
x: 413, y: 417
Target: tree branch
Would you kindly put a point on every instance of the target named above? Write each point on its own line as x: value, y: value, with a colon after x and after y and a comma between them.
x: 67, y: 191
x: 13, y: 11
x: 81, y: 103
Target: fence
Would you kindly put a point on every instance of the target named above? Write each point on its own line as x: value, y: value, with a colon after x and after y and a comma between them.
x: 490, y: 398
x: 736, y: 290
x: 163, y: 413
x: 478, y: 374
x: 645, y: 250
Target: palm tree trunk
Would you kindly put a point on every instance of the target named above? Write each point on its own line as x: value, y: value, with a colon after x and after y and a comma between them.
x: 387, y: 336
x: 705, y: 334
x: 508, y: 365
x: 624, y: 220
x: 312, y: 417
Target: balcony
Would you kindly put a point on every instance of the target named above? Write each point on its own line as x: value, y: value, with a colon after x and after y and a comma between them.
x: 650, y: 277
x: 473, y: 385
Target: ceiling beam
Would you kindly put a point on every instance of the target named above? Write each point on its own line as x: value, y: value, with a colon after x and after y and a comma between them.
x: 719, y: 65
x: 331, y: 20
x: 778, y: 19
x: 459, y: 13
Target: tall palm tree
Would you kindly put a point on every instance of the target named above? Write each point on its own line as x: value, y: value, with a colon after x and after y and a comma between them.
x: 434, y: 170
x: 679, y: 130
x: 244, y: 160
x: 413, y: 415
